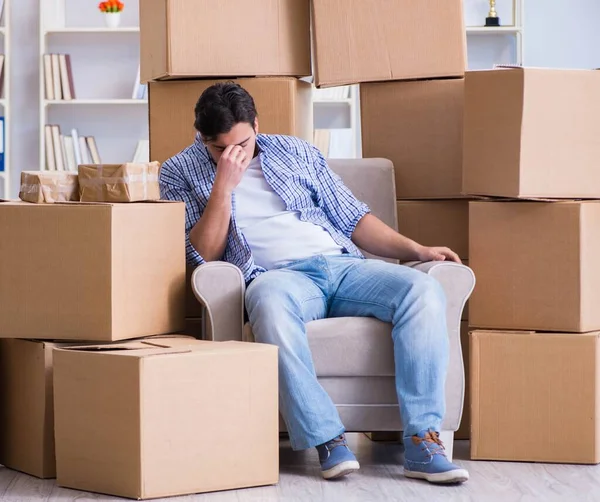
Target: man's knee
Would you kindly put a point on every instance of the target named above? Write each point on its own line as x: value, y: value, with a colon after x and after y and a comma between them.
x: 427, y: 294
x: 268, y: 297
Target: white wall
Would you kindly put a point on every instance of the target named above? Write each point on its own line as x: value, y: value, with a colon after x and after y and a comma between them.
x: 557, y: 34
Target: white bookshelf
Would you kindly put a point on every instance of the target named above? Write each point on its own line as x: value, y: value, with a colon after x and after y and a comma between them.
x: 489, y: 45
x: 6, y: 174
x: 104, y: 64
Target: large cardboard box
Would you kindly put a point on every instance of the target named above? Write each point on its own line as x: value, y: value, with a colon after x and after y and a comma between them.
x: 532, y: 133
x: 27, y: 406
x: 95, y: 272
x: 419, y: 127
x: 149, y: 421
x: 536, y: 265
x: 357, y: 41
x: 227, y: 38
x: 436, y: 223
x: 284, y: 107
x: 535, y: 397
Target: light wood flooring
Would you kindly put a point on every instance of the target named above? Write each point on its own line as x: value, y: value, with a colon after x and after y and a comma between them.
x: 380, y: 479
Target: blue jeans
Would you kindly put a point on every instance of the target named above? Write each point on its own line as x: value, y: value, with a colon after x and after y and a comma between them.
x: 280, y: 302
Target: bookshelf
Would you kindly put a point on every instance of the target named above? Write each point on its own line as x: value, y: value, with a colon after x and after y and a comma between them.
x: 5, y: 169
x: 495, y: 45
x: 102, y: 70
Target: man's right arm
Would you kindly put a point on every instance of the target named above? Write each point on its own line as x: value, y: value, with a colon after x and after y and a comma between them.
x: 207, y: 229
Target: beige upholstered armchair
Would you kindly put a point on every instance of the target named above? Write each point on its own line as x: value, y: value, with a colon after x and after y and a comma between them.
x: 360, y: 381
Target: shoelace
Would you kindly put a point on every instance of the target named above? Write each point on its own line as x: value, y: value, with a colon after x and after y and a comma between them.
x: 433, y: 445
x: 335, y: 442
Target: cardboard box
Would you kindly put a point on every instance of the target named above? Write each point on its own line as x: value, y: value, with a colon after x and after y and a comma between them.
x: 284, y: 107
x: 27, y: 407
x: 536, y: 265
x: 46, y: 187
x: 357, y: 41
x: 148, y: 422
x: 129, y: 182
x: 436, y: 223
x: 535, y: 397
x: 532, y: 133
x: 203, y: 38
x: 96, y: 272
x: 464, y: 431
x: 419, y: 127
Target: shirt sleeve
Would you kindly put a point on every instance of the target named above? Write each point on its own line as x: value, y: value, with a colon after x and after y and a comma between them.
x: 173, y: 186
x: 341, y: 207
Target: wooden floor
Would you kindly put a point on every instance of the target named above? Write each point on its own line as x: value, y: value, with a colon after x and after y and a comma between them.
x: 380, y: 479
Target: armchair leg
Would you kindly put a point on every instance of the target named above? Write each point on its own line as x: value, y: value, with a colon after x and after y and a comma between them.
x: 447, y: 438
x: 385, y: 437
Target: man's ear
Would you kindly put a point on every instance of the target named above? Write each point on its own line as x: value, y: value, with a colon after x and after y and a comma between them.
x: 256, y: 125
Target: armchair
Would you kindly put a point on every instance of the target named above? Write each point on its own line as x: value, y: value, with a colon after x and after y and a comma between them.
x: 361, y: 380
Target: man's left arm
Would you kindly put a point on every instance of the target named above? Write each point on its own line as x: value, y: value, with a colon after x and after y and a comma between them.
x: 375, y: 237
x: 352, y: 217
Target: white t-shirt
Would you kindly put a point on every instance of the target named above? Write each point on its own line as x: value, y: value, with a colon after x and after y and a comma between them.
x: 274, y: 234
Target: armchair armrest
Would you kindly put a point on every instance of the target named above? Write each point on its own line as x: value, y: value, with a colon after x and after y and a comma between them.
x: 458, y: 282
x: 220, y: 288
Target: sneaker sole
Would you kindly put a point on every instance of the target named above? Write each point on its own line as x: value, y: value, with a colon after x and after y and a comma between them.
x: 341, y: 470
x: 440, y: 478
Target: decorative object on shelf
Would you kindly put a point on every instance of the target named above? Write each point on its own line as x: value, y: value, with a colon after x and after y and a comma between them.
x: 112, y: 12
x: 492, y: 19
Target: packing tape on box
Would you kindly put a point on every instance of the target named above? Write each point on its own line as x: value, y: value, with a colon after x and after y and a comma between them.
x: 60, y: 187
x: 144, y: 178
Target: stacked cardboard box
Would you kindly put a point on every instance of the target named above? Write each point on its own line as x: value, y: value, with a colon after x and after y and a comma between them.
x: 78, y: 277
x: 531, y: 144
x: 409, y: 59
x: 179, y: 61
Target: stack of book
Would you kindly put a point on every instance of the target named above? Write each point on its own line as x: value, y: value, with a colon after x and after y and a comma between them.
x: 58, y: 77
x: 66, y: 152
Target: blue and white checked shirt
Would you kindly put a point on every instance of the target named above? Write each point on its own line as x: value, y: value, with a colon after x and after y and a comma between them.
x: 296, y: 171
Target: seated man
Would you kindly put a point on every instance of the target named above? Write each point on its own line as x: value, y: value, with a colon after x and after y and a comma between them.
x: 271, y: 206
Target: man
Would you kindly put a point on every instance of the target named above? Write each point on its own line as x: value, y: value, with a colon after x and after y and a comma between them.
x: 271, y: 206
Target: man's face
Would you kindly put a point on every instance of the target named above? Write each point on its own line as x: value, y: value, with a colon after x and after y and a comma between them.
x: 241, y: 134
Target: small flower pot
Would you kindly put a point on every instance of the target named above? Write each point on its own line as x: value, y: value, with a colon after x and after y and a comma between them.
x: 112, y: 19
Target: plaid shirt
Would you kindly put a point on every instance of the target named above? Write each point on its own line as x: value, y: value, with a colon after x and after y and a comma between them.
x: 296, y: 171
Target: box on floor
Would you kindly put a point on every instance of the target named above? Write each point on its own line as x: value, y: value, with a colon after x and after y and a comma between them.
x: 199, y: 418
x: 536, y: 265
x: 204, y: 38
x: 419, y: 127
x: 26, y: 404
x: 535, y: 397
x: 357, y: 41
x: 436, y: 223
x: 284, y: 107
x: 532, y: 133
x: 97, y: 272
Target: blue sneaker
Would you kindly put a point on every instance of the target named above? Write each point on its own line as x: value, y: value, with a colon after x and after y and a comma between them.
x: 425, y: 458
x: 336, y: 458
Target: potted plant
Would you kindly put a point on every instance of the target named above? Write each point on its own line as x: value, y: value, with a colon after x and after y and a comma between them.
x: 112, y: 12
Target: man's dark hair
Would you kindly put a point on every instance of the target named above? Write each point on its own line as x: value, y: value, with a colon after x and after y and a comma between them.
x: 222, y: 106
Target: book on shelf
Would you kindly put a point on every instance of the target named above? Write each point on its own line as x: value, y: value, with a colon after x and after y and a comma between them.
x: 65, y: 152
x: 58, y: 77
x: 1, y: 73
x: 1, y: 144
x: 2, y: 11
x: 334, y: 143
x: 140, y: 91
